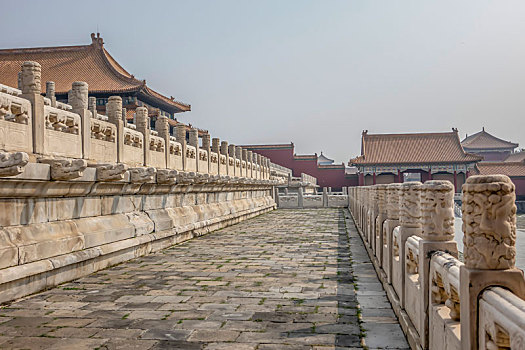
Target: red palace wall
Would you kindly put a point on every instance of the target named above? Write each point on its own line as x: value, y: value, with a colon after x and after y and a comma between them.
x: 519, y: 182
x: 327, y: 176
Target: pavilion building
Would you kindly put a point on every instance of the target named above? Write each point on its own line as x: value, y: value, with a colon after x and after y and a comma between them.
x: 389, y: 158
x: 491, y: 148
x: 93, y: 64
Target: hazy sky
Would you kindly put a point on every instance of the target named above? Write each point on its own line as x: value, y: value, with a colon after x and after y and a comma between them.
x: 313, y: 72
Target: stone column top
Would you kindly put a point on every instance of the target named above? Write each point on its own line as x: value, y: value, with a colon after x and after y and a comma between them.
x: 410, y: 213
x: 30, y: 77
x: 437, y: 210
x: 489, y: 222
x: 392, y: 200
x: 381, y: 196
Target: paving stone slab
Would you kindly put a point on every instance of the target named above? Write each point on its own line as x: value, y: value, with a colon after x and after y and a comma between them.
x: 283, y: 280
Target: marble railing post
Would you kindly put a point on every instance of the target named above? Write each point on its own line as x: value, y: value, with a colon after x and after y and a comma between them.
x: 231, y: 155
x: 247, y: 172
x: 381, y: 217
x: 361, y: 208
x: 216, y: 145
x: 50, y: 93
x: 372, y: 215
x: 437, y: 219
x: 180, y: 137
x: 142, y: 121
x: 300, y: 198
x: 489, y: 226
x: 77, y: 97
x: 325, y: 197
x: 238, y: 155
x: 114, y: 113
x: 224, y: 151
x: 206, y: 145
x: 410, y: 220
x: 30, y: 84
x: 92, y: 106
x: 193, y: 140
x: 163, y: 128
x: 392, y: 214
x: 250, y: 159
x: 259, y: 163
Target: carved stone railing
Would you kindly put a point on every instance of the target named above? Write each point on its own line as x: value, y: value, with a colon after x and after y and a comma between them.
x: 501, y: 320
x: 301, y: 200
x: 103, y: 141
x: 412, y: 287
x: 80, y: 191
x: 15, y: 123
x: 441, y: 302
x: 157, y: 150
x: 444, y: 313
x: 133, y: 148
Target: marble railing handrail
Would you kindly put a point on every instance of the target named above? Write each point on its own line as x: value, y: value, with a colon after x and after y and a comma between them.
x: 89, y: 144
x: 502, y: 319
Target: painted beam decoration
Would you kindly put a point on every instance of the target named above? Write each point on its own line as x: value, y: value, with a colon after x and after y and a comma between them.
x: 394, y: 169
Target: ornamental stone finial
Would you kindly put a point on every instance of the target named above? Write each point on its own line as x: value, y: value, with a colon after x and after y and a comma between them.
x: 162, y: 126
x: 231, y: 151
x: 50, y: 89
x: 410, y: 213
x: 206, y: 138
x: 30, y: 79
x: 77, y: 97
x: 92, y: 102
x: 180, y: 133
x: 114, y: 109
x: 392, y: 207
x: 194, y: 137
x: 224, y: 148
x: 489, y: 222
x: 381, y: 197
x: 216, y: 145
x: 142, y: 118
x: 437, y: 210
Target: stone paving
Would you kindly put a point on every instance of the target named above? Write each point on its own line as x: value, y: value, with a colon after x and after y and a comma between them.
x: 283, y: 280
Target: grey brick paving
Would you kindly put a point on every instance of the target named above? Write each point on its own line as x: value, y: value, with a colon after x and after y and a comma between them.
x: 283, y: 280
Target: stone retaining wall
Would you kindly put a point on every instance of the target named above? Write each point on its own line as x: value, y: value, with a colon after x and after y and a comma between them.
x: 80, y: 191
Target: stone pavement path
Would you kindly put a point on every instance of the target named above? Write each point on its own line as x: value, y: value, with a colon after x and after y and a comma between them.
x: 282, y: 280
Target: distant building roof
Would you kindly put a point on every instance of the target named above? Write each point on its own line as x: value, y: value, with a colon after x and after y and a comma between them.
x: 415, y: 148
x: 276, y: 146
x: 323, y: 160
x: 484, y: 141
x: 511, y: 169
x: 516, y: 157
x: 90, y: 63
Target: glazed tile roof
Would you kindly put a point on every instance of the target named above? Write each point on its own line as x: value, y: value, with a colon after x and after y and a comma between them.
x: 90, y: 63
x: 511, y: 169
x: 324, y: 160
x: 484, y: 141
x: 516, y: 157
x: 276, y: 146
x: 418, y: 148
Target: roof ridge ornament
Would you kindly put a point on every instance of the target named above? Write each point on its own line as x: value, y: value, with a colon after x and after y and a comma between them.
x: 96, y: 40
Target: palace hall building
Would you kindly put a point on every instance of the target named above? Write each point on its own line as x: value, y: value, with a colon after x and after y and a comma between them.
x: 491, y: 148
x: 389, y: 158
x: 93, y: 64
